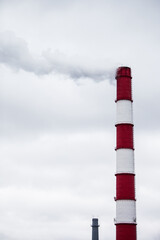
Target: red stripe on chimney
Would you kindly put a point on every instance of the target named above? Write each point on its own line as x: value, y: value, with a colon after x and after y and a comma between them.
x: 125, y: 187
x: 124, y: 88
x: 125, y: 136
x: 126, y: 232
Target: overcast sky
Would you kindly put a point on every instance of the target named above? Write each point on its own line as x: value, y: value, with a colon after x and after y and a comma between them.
x: 57, y: 115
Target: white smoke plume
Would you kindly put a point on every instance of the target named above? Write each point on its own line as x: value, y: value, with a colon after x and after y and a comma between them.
x: 15, y: 53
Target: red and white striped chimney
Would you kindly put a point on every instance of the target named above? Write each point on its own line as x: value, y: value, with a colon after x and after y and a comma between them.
x: 125, y: 174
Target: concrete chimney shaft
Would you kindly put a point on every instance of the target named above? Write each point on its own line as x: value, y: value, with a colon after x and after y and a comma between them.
x: 125, y: 173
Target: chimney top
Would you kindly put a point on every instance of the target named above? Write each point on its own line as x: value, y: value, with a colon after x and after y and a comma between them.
x: 123, y: 72
x: 95, y: 222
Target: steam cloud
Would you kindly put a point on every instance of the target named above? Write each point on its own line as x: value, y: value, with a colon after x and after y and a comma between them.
x: 14, y: 53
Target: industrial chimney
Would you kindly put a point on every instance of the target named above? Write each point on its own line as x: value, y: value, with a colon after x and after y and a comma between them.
x: 125, y: 174
x: 95, y: 226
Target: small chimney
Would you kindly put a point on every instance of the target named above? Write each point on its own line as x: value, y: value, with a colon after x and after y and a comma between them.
x: 95, y: 234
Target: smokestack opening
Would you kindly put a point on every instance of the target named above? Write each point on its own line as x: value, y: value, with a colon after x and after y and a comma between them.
x: 123, y: 72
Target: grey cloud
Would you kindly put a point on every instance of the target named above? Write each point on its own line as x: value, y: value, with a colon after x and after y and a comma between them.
x: 33, y: 105
x: 14, y: 52
x: 58, y: 197
x: 4, y: 237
